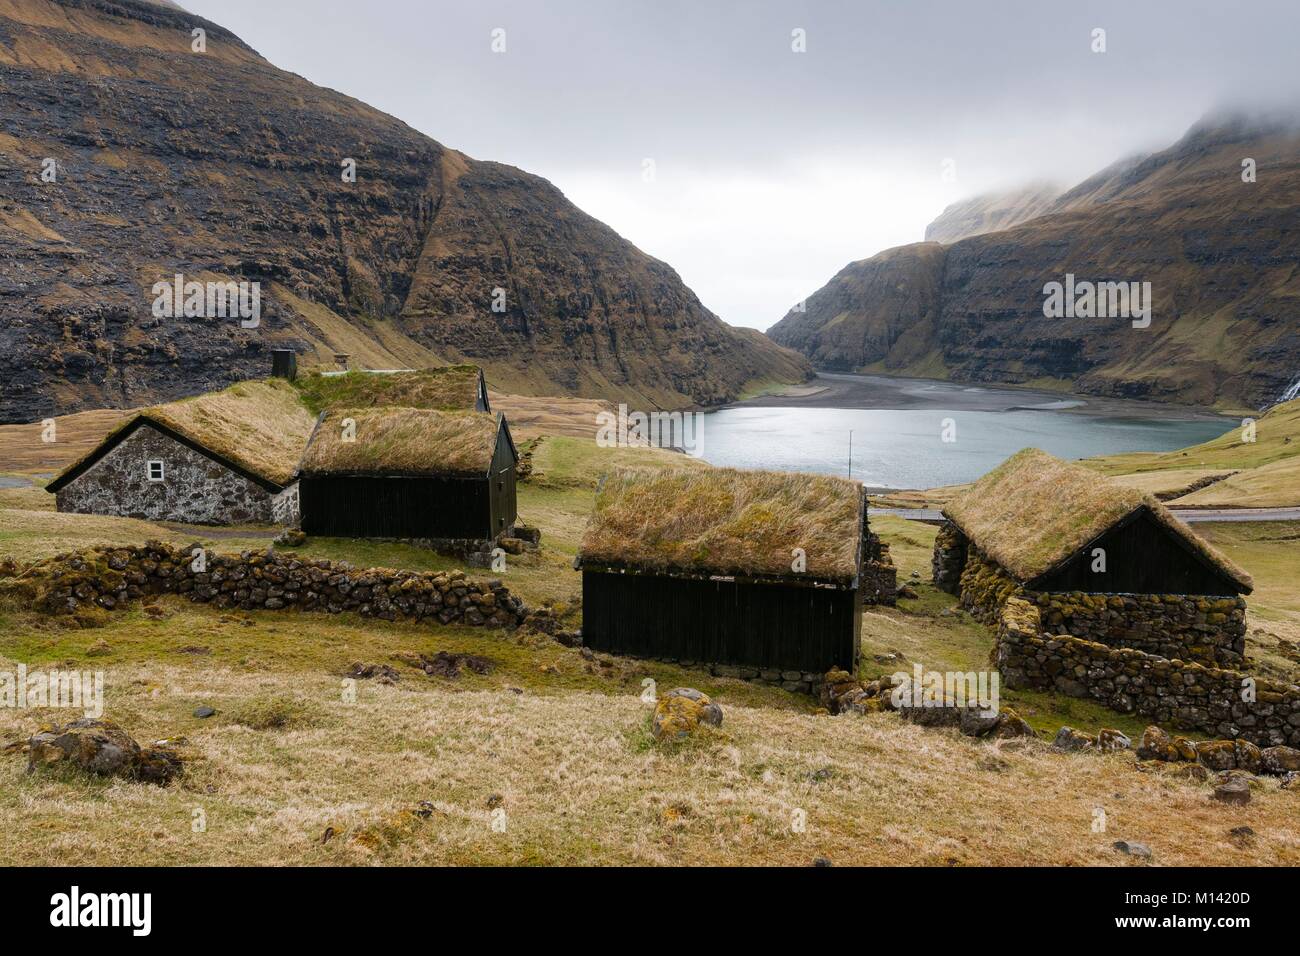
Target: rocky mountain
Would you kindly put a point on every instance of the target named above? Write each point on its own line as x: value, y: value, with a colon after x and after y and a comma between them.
x: 129, y: 155
x: 1220, y: 255
x: 991, y: 212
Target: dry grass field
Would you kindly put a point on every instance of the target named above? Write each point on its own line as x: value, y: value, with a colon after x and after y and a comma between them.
x: 547, y: 758
x: 580, y: 781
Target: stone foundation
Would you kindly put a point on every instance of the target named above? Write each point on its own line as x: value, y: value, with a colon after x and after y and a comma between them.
x: 984, y: 587
x: 1209, y: 630
x: 1187, y: 695
x: 799, y: 682
x: 949, y: 558
x: 879, y: 579
x: 112, y: 578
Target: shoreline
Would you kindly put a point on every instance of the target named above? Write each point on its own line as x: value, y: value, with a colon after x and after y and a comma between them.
x: 853, y: 390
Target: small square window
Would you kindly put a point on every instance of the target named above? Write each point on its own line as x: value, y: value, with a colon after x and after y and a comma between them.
x: 155, y: 471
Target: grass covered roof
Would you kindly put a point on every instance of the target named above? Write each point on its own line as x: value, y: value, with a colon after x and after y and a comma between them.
x: 1034, y: 511
x: 402, y: 441
x: 450, y: 388
x: 260, y: 426
x: 727, y: 522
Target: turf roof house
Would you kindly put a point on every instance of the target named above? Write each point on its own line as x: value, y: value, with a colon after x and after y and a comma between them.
x: 447, y: 388
x: 413, y: 473
x: 1103, y: 561
x: 223, y: 458
x: 703, y: 567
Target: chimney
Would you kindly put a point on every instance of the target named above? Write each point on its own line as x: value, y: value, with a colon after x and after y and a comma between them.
x: 284, y: 364
x: 343, y: 360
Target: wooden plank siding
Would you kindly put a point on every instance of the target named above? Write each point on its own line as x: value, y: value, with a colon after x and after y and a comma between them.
x: 764, y: 625
x: 479, y: 508
x: 502, y: 497
x: 1142, y: 557
x: 363, y: 506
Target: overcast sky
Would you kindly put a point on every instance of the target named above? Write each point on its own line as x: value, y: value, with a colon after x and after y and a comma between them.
x: 773, y: 169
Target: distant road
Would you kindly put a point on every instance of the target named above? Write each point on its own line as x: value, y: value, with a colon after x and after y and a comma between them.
x: 1189, y: 515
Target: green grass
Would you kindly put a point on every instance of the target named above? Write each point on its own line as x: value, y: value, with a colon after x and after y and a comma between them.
x: 564, y: 462
x: 253, y: 642
x: 453, y: 388
x: 1269, y: 466
x: 930, y: 630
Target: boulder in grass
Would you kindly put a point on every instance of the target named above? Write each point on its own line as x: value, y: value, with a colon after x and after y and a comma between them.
x: 158, y: 765
x: 1217, y: 754
x: 103, y: 748
x: 383, y: 673
x: 97, y: 746
x: 1110, y: 739
x: 978, y: 722
x: 1154, y: 745
x: 680, y: 712
x: 1071, y: 741
x: 1279, y: 760
x: 1234, y: 791
x: 1012, y: 725
x: 527, y: 533
x: 840, y: 690
x: 1249, y: 757
x: 1158, y: 745
x: 511, y: 545
x: 1133, y: 848
x: 290, y: 538
x: 940, y: 713
x: 1229, y: 755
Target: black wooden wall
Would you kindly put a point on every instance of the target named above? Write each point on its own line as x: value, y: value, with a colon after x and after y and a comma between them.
x: 397, y: 507
x: 722, y: 622
x: 504, y: 503
x: 1142, y: 557
x: 284, y: 364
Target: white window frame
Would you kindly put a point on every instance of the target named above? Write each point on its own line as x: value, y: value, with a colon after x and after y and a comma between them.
x: 162, y: 469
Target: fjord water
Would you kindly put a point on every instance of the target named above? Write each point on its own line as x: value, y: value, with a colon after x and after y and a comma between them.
x: 904, y: 447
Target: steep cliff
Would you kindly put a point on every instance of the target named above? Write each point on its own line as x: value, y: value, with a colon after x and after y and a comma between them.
x: 1220, y: 255
x: 128, y: 157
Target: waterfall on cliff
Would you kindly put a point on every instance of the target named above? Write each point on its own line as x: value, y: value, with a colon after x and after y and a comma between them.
x: 1292, y: 391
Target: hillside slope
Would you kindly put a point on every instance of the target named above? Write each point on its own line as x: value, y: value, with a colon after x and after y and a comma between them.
x: 991, y: 212
x: 1259, y: 473
x: 220, y: 166
x: 1220, y: 255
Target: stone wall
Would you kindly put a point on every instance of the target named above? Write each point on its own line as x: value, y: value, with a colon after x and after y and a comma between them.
x: 984, y: 587
x: 286, y: 507
x: 949, y: 558
x: 110, y: 578
x: 879, y: 580
x: 1184, y: 694
x: 1211, y: 630
x: 195, y: 489
x: 1208, y: 629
